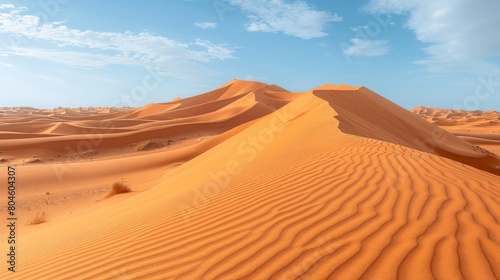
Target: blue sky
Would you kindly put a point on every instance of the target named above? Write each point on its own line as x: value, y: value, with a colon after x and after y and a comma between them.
x: 129, y: 53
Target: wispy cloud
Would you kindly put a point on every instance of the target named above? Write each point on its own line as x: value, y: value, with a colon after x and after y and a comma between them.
x: 460, y: 34
x: 206, y: 25
x: 367, y: 48
x: 6, y: 6
x: 52, y: 79
x: 73, y: 58
x: 97, y: 49
x: 291, y: 18
x: 101, y: 79
x: 6, y: 64
x: 358, y: 28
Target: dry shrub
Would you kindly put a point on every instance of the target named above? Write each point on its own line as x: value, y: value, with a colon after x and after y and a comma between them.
x: 40, y: 217
x: 33, y: 160
x: 118, y: 188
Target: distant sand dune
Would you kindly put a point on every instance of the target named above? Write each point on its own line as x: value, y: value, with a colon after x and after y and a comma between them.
x: 480, y: 128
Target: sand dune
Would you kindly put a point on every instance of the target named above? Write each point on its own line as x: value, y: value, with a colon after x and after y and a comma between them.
x: 188, y: 119
x: 481, y: 128
x: 261, y: 183
x: 460, y: 119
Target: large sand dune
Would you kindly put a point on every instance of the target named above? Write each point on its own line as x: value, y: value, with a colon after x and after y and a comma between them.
x: 250, y: 181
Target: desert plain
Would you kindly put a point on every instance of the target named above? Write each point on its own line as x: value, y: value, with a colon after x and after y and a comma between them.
x: 251, y: 181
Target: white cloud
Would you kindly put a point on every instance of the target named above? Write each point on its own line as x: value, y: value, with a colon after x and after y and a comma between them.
x: 367, y: 48
x: 6, y: 6
x: 206, y: 25
x: 95, y: 49
x: 73, y: 58
x: 6, y: 64
x: 211, y: 51
x: 358, y: 28
x: 461, y: 34
x: 296, y: 18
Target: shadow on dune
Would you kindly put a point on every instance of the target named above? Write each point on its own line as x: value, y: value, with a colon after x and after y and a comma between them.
x: 364, y: 113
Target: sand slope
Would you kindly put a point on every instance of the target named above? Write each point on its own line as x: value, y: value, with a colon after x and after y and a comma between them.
x: 364, y: 113
x: 51, y: 138
x: 324, y: 185
x: 481, y: 128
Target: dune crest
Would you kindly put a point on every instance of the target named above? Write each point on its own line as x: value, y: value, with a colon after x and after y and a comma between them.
x: 337, y: 87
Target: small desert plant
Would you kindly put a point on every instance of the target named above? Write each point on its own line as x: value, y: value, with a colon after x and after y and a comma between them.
x: 40, y: 217
x: 118, y: 188
x: 33, y: 160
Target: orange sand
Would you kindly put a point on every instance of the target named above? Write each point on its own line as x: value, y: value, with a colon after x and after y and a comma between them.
x: 481, y: 128
x: 251, y: 181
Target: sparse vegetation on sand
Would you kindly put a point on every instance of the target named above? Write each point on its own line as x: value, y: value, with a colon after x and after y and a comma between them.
x: 40, y: 217
x: 118, y: 188
x: 33, y: 160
